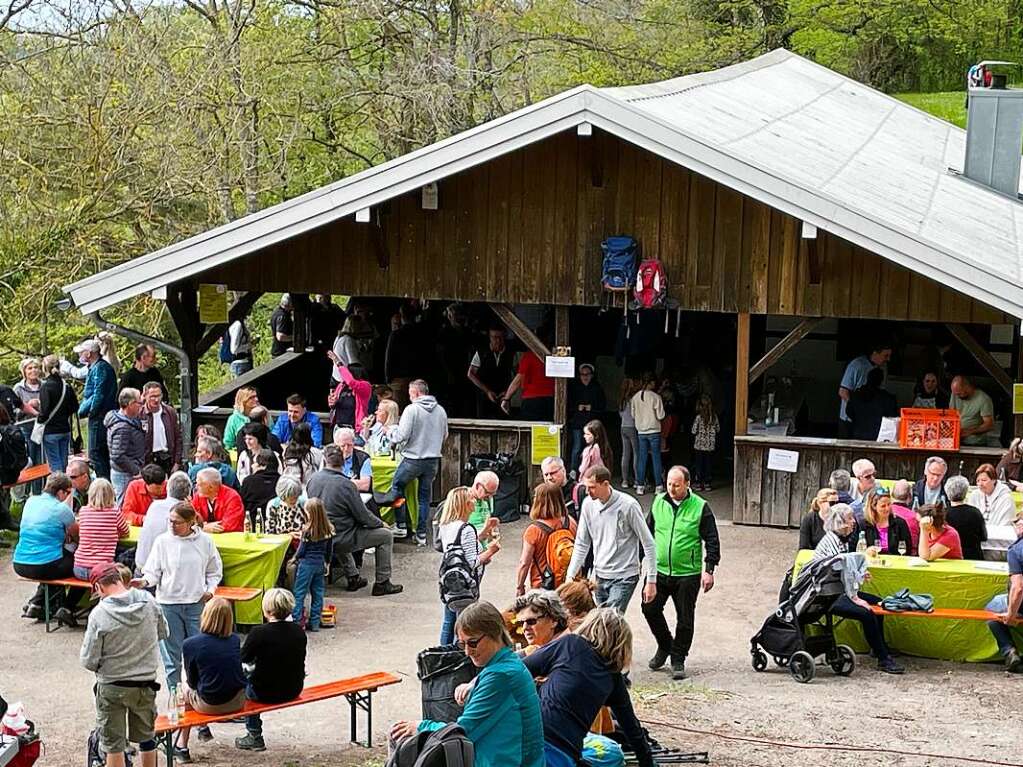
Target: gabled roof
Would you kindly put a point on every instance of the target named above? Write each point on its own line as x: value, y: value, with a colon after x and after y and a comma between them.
x: 779, y: 128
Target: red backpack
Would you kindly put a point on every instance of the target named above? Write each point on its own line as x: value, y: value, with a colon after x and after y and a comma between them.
x: 651, y: 289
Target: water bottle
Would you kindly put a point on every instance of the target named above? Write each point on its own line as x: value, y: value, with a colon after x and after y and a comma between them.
x: 172, y: 705
x: 179, y: 704
x: 861, y: 544
x: 248, y: 524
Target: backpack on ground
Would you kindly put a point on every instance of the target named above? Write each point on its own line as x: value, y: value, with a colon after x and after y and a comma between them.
x: 446, y: 747
x: 559, y: 545
x: 457, y: 578
x: 96, y: 756
x: 619, y: 268
x: 651, y: 290
x: 13, y: 454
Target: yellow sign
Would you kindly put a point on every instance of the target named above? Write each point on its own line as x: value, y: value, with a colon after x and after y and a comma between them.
x: 212, y: 304
x: 545, y: 441
x: 1017, y: 399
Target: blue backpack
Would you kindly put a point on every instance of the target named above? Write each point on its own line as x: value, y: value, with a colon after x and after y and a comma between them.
x: 225, y: 348
x: 620, y: 256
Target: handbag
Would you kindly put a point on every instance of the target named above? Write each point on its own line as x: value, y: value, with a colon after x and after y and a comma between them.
x: 40, y: 427
x: 77, y: 445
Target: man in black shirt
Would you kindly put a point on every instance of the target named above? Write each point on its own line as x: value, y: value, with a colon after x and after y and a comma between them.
x: 967, y: 520
x: 143, y: 371
x: 276, y: 653
x: 491, y: 371
x: 282, y: 327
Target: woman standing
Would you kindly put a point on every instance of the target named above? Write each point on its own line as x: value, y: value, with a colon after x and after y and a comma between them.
x: 885, y: 530
x: 301, y: 458
x: 354, y: 343
x: 454, y: 530
x: 586, y: 401
x: 548, y: 513
x: 705, y: 434
x: 28, y: 390
x: 349, y: 401
x: 502, y: 715
x: 185, y: 568
x: 100, y: 526
x: 648, y: 412
x: 630, y: 437
x: 938, y: 539
x: 245, y: 399
x: 58, y: 404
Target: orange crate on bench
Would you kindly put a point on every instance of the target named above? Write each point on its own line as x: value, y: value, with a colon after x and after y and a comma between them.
x: 929, y: 429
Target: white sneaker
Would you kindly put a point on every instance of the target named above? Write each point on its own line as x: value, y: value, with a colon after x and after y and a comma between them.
x: 659, y: 489
x: 626, y: 486
x: 640, y: 490
x: 370, y: 550
x: 400, y: 531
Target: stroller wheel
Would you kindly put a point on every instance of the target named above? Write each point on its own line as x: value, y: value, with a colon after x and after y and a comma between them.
x: 781, y: 661
x: 759, y: 660
x: 844, y: 660
x: 802, y: 666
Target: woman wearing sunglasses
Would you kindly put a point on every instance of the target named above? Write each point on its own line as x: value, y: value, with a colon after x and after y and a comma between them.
x: 542, y: 616
x: 884, y: 530
x: 502, y: 714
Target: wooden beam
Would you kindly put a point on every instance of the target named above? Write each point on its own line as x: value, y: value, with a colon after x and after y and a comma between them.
x: 742, y: 375
x: 239, y: 311
x: 561, y: 384
x: 521, y: 330
x: 982, y: 355
x: 797, y: 334
x: 1018, y: 419
x: 183, y: 305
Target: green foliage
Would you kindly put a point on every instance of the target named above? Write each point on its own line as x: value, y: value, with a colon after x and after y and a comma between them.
x: 948, y: 106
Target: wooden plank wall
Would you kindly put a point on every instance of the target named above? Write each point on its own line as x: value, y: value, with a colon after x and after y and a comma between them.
x: 772, y: 498
x: 527, y: 228
x: 464, y: 441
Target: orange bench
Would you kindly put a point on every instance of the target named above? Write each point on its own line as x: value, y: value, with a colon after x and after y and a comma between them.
x: 31, y: 474
x: 948, y: 613
x: 230, y: 593
x: 358, y: 690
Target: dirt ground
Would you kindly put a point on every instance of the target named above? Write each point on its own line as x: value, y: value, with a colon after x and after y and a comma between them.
x: 955, y: 710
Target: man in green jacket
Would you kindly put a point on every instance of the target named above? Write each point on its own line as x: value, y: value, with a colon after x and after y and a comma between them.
x: 682, y: 525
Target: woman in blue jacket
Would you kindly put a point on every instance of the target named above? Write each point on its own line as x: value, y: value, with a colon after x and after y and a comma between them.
x: 502, y: 715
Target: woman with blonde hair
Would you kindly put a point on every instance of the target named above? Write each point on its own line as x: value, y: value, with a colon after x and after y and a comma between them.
x: 811, y: 527
x: 548, y: 513
x: 245, y: 399
x: 453, y: 529
x: 583, y: 672
x: 374, y: 427
x: 213, y: 669
x: 100, y: 526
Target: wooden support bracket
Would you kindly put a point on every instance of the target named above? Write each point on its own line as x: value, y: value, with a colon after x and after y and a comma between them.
x: 797, y: 334
x: 982, y: 355
x: 519, y: 328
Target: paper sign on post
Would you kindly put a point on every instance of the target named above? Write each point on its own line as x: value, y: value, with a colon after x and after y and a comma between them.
x: 545, y: 441
x: 560, y: 367
x: 783, y: 460
x: 1017, y: 399
x: 212, y: 304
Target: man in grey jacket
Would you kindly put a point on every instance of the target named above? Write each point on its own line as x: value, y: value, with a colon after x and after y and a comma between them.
x: 355, y: 528
x: 126, y: 440
x: 613, y: 526
x: 420, y: 435
x: 121, y: 646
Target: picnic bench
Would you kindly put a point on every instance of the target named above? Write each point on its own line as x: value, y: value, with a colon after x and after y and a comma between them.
x: 230, y: 593
x: 948, y: 613
x: 30, y: 474
x: 358, y: 690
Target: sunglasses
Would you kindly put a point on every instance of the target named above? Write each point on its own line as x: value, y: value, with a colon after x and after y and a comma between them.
x: 472, y: 644
x: 881, y: 491
x: 530, y: 621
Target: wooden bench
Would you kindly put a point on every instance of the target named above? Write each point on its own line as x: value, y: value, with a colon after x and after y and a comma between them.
x: 358, y: 690
x: 230, y: 593
x: 31, y: 474
x: 948, y: 613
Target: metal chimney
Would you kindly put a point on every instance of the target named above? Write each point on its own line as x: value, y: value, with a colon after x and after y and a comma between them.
x: 994, y: 129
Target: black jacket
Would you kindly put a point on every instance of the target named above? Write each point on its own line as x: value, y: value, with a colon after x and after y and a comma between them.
x: 591, y: 394
x: 49, y: 395
x: 898, y: 530
x: 918, y: 494
x: 969, y: 523
x: 258, y: 489
x: 345, y: 508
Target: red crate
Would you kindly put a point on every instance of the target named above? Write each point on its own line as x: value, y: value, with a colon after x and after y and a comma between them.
x: 929, y: 429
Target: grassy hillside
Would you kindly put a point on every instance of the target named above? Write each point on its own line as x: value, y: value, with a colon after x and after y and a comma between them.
x: 949, y: 106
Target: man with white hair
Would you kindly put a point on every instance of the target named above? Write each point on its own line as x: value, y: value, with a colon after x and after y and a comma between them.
x: 98, y: 398
x: 206, y: 451
x: 157, y: 515
x: 219, y: 507
x: 483, y: 489
x: 356, y: 464
x: 865, y: 478
x: 931, y: 489
x: 553, y: 470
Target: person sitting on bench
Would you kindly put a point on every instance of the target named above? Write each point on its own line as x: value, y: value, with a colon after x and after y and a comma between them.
x: 213, y: 669
x: 502, y: 715
x: 275, y: 651
x: 1009, y: 606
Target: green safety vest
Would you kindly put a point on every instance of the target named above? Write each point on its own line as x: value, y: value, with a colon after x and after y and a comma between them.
x: 677, y: 535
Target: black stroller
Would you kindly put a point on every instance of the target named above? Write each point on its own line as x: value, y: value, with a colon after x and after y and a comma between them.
x: 784, y: 634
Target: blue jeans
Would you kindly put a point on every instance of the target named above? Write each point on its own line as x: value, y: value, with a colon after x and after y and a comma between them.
x: 182, y: 622
x: 555, y: 757
x: 425, y: 469
x: 577, y: 450
x: 615, y: 593
x: 309, y: 580
x: 120, y: 480
x: 35, y: 457
x: 253, y: 722
x: 630, y: 452
x: 1002, y: 633
x: 240, y: 367
x: 649, y: 443
x: 447, y: 628
x: 99, y: 454
x: 56, y: 448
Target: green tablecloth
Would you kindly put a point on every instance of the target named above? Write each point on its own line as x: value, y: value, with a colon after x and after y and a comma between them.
x: 383, y: 473
x: 953, y: 584
x: 253, y: 564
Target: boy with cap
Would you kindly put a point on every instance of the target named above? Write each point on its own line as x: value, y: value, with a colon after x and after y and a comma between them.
x: 121, y: 646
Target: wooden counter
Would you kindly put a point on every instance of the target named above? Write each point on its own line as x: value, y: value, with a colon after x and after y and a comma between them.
x: 762, y: 496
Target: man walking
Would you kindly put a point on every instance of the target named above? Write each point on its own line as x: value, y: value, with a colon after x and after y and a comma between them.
x: 126, y: 441
x: 420, y: 433
x: 682, y: 525
x: 611, y: 523
x: 98, y: 398
x: 355, y: 528
x: 121, y: 646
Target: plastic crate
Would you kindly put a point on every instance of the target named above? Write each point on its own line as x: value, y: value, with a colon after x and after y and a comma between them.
x: 929, y: 429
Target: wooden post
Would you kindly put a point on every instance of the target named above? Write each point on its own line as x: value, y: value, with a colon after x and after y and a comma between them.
x: 300, y: 312
x: 1018, y: 419
x: 183, y: 305
x: 561, y: 384
x: 742, y: 374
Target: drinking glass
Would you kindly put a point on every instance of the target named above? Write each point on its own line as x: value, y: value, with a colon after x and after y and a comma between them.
x: 902, y: 548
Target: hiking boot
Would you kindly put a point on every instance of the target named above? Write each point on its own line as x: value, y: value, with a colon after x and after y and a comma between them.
x: 66, y: 618
x: 250, y: 743
x: 659, y: 659
x: 204, y: 734
x: 889, y: 666
x: 678, y: 669
x: 32, y: 612
x: 182, y: 755
x: 356, y: 582
x: 1013, y: 662
x: 385, y: 588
